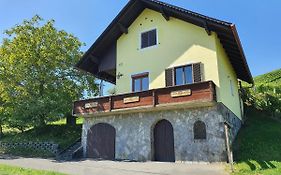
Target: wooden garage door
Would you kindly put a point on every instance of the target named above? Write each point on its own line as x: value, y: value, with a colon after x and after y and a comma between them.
x: 164, y: 142
x: 101, y: 142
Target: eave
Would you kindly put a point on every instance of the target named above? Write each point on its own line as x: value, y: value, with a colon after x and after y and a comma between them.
x: 226, y: 32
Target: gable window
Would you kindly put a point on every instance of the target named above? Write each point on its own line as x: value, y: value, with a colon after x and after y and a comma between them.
x: 140, y: 82
x: 149, y: 38
x: 199, y: 130
x: 181, y: 75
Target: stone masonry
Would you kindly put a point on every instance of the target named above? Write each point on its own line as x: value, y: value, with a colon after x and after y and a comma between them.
x: 134, y: 133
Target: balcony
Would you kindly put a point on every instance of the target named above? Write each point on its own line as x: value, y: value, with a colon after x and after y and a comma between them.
x: 191, y: 95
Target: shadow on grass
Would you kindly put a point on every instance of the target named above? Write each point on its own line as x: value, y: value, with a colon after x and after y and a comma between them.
x: 258, y: 143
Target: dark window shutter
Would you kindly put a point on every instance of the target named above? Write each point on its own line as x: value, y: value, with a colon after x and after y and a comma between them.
x: 149, y: 38
x: 152, y: 38
x: 197, y: 76
x: 169, y: 76
x: 144, y: 40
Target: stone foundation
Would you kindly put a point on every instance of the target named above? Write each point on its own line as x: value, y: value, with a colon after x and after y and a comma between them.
x: 134, y: 133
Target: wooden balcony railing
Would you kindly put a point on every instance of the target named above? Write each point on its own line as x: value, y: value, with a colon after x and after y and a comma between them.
x: 197, y: 92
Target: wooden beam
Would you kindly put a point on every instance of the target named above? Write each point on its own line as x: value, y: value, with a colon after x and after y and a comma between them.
x: 164, y: 14
x: 110, y: 103
x: 226, y: 36
x: 206, y: 26
x: 94, y: 59
x: 122, y: 28
x: 154, y: 98
x: 233, y: 49
x: 228, y: 42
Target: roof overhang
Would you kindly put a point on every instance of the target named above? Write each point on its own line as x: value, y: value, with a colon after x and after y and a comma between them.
x: 226, y: 32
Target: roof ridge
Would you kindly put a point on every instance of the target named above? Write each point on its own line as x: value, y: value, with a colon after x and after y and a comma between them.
x: 190, y: 12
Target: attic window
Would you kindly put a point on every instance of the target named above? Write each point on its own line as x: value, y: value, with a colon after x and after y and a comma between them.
x: 148, y: 38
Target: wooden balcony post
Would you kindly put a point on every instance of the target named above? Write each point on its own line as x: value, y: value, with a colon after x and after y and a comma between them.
x: 213, y: 91
x: 110, y: 103
x: 154, y: 98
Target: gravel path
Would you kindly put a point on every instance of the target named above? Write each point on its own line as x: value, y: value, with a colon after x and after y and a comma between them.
x: 86, y: 167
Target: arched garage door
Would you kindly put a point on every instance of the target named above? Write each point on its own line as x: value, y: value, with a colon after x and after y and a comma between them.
x: 101, y: 142
x: 164, y: 142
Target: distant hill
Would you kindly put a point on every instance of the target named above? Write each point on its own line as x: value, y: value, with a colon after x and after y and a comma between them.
x: 273, y: 78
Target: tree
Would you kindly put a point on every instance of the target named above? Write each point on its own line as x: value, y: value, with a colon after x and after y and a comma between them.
x: 36, y: 71
x: 265, y: 97
x: 3, y: 116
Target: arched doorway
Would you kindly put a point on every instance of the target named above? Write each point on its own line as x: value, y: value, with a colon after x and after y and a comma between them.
x: 101, y: 142
x: 164, y: 142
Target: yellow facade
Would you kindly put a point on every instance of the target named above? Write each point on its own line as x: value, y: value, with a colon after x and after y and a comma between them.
x: 179, y: 43
x: 228, y: 95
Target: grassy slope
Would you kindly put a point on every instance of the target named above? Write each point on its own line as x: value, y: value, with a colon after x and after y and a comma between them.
x: 60, y: 133
x: 11, y: 170
x: 257, y: 149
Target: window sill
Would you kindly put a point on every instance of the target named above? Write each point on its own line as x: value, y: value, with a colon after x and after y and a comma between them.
x: 148, y: 48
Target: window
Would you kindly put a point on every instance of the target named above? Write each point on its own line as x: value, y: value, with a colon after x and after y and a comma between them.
x: 199, y: 130
x: 183, y: 75
x: 149, y: 38
x: 231, y: 87
x: 140, y: 82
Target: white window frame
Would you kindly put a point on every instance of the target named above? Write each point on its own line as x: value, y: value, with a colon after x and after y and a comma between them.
x: 140, y: 39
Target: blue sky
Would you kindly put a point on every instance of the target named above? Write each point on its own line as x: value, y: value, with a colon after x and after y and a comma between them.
x: 258, y: 22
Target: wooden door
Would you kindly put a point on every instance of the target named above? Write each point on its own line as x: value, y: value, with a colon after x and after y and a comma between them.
x: 101, y: 142
x: 164, y: 142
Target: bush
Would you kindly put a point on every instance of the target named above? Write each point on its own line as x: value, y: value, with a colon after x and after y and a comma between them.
x: 264, y: 97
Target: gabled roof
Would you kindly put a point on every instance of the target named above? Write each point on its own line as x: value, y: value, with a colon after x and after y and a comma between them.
x: 226, y: 32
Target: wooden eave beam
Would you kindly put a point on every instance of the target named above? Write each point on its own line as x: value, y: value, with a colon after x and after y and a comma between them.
x: 165, y: 14
x: 228, y: 43
x: 105, y: 76
x: 122, y: 28
x: 226, y: 37
x: 94, y: 59
x: 207, y: 28
x: 231, y: 49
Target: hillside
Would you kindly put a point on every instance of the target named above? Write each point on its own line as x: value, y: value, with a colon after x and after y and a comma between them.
x: 257, y: 147
x: 273, y: 78
x: 58, y: 132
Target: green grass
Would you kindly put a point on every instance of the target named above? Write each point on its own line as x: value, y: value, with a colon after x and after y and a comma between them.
x: 11, y: 170
x: 63, y: 121
x: 257, y: 150
x: 63, y: 135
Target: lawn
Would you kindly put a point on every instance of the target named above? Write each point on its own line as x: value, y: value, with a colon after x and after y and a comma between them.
x: 257, y: 150
x: 11, y: 170
x: 79, y: 120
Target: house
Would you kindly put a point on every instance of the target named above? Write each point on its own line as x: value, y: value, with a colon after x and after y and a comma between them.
x: 177, y: 77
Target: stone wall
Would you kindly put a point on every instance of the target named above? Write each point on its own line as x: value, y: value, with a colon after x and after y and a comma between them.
x: 230, y: 118
x: 134, y: 133
x: 38, y: 146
